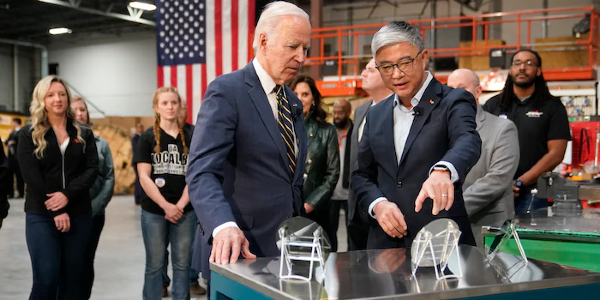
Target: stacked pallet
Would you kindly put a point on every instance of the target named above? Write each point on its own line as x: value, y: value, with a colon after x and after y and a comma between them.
x: 119, y: 142
x: 473, y: 59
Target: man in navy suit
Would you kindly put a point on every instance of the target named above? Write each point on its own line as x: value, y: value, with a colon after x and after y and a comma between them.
x: 417, y: 145
x: 249, y: 145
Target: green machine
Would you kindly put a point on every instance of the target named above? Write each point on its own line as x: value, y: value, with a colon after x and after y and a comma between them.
x: 567, y: 240
x: 565, y: 233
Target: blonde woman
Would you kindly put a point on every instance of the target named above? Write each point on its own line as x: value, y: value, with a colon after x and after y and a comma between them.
x: 59, y: 163
x: 100, y: 193
x: 167, y: 216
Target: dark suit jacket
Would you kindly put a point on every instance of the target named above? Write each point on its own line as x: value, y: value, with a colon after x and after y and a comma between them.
x: 359, y: 115
x: 4, y: 187
x: 444, y: 130
x: 12, y: 149
x: 237, y: 167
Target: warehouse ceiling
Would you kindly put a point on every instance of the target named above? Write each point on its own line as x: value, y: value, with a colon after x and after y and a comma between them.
x: 30, y: 20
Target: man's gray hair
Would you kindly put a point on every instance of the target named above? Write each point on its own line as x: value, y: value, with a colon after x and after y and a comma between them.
x: 397, y: 32
x: 270, y: 16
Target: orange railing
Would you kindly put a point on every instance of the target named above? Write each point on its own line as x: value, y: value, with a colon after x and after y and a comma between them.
x: 347, y: 81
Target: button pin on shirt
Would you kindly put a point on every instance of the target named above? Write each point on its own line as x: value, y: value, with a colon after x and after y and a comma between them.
x: 160, y: 182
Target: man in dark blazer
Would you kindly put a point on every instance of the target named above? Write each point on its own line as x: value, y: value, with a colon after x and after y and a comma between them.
x: 358, y: 220
x: 15, y: 171
x: 249, y: 145
x: 4, y: 188
x: 487, y: 190
x: 417, y: 145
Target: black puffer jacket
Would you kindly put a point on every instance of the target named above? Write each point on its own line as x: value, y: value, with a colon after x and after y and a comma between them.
x: 73, y: 173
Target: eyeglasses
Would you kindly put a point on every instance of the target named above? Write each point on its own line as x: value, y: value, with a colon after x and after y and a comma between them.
x: 404, y: 66
x: 528, y: 64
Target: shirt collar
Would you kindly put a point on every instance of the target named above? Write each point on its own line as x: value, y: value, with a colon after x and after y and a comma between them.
x: 267, y: 83
x: 417, y: 98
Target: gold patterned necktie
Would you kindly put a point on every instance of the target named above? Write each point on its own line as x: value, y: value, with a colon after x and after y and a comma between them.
x: 285, y: 127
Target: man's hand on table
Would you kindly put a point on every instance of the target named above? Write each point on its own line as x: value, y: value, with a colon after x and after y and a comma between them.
x: 230, y: 241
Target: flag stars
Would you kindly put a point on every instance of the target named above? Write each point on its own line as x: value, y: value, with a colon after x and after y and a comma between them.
x: 181, y: 31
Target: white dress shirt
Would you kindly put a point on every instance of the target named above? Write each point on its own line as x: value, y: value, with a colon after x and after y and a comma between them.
x: 403, y: 120
x: 268, y: 84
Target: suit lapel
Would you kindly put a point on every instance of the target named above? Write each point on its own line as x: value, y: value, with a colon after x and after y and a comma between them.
x: 360, y: 115
x: 299, y: 131
x: 428, y: 102
x: 387, y: 128
x: 261, y: 102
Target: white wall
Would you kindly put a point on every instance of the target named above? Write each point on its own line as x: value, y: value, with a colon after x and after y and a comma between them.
x: 116, y: 74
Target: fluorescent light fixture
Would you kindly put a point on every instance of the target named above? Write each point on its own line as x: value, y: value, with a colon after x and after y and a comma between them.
x: 142, y: 5
x: 60, y: 30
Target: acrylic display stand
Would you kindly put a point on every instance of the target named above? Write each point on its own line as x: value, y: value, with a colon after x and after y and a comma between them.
x: 506, y: 232
x: 300, y: 246
x: 433, y: 246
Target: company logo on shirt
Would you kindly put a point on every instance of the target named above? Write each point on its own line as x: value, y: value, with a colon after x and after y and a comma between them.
x: 170, y: 162
x: 534, y: 114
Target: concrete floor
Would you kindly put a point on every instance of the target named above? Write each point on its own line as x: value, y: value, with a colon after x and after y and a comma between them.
x: 119, y: 260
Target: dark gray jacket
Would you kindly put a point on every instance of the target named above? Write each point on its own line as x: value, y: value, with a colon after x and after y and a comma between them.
x: 102, y: 190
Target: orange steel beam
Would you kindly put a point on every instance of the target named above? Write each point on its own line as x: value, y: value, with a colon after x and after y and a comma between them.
x: 349, y: 86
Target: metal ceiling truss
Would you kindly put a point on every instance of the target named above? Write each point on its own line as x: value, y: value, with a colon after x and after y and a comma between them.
x: 135, y: 15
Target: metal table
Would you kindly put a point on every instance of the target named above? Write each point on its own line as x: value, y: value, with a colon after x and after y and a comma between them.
x: 570, y: 237
x: 386, y: 274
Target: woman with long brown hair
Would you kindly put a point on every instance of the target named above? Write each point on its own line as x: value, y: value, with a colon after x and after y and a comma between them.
x: 59, y: 164
x: 167, y: 216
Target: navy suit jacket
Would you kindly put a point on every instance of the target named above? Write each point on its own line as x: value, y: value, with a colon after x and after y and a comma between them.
x: 444, y: 130
x: 238, y: 169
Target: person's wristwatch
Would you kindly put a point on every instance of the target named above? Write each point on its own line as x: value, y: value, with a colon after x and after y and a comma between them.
x: 518, y: 183
x: 441, y: 168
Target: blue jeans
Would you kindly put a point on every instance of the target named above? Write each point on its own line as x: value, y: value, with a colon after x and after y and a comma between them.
x: 193, y: 273
x: 158, y: 233
x: 50, y: 250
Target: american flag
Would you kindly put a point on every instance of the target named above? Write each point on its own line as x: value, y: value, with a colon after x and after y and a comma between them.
x: 199, y: 40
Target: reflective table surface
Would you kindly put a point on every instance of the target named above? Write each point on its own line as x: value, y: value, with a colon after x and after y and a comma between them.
x: 571, y: 225
x: 386, y: 274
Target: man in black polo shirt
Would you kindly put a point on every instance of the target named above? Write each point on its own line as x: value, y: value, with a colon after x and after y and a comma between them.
x: 541, y: 120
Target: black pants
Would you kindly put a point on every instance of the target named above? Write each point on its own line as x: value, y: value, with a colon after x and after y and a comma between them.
x: 15, y: 174
x: 334, y: 220
x: 87, y: 279
x: 358, y: 232
x: 57, y: 257
x: 321, y: 216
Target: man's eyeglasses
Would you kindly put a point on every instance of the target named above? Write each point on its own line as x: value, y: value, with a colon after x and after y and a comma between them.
x: 404, y: 66
x: 528, y: 64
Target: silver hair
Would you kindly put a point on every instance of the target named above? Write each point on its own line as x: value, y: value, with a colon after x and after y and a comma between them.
x: 270, y: 16
x: 397, y: 32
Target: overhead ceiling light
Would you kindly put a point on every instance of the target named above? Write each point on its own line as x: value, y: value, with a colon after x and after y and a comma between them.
x: 142, y: 5
x: 60, y: 30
